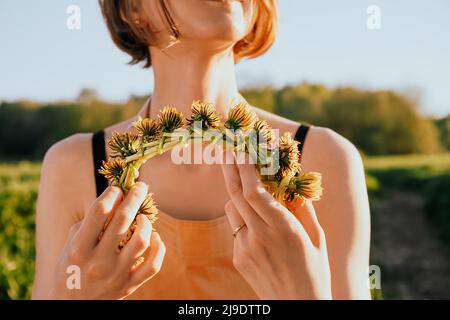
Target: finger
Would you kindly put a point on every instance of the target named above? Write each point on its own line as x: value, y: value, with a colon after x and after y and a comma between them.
x: 72, y: 235
x: 234, y: 188
x: 256, y: 195
x: 152, y: 263
x: 305, y: 213
x: 234, y: 218
x: 139, y: 242
x: 124, y: 215
x: 97, y: 216
x: 74, y: 230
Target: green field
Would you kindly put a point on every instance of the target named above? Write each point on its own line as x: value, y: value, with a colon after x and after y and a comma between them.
x: 410, y: 206
x: 427, y: 177
x: 18, y: 192
x: 437, y: 162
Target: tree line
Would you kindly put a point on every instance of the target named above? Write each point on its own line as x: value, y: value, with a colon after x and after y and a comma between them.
x: 377, y: 122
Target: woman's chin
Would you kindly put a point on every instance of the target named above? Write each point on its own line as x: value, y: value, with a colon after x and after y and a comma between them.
x: 226, y: 31
x: 228, y: 19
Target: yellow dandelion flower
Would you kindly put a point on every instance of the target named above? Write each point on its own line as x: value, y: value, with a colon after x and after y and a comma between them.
x: 206, y: 113
x: 170, y: 119
x: 307, y: 185
x: 149, y: 129
x: 240, y: 117
x: 288, y: 156
x: 124, y: 144
x: 263, y: 131
x: 113, y: 170
x: 148, y: 208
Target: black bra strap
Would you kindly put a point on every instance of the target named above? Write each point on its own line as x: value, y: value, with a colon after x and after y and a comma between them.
x: 300, y: 136
x: 99, y: 154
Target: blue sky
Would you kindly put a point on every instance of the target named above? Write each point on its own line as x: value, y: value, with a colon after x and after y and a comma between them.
x: 324, y: 41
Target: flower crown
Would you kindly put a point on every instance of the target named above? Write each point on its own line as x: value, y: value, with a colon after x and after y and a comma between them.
x: 277, y: 163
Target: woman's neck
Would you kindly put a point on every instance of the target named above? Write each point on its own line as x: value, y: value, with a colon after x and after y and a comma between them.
x: 182, y: 79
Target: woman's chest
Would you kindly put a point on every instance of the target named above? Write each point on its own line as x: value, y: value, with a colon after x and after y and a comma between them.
x: 191, y: 192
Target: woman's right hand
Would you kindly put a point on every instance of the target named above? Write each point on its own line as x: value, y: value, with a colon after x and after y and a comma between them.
x: 104, y: 271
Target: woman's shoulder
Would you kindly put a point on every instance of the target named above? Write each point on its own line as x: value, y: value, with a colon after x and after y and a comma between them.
x: 69, y: 154
x: 322, y: 146
x: 67, y: 171
x: 71, y: 148
x: 69, y: 163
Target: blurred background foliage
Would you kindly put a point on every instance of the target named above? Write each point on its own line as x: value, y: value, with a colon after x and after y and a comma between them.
x: 377, y: 122
x: 406, y: 156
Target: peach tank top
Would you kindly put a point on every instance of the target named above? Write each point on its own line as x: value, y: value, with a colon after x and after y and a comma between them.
x: 198, y: 262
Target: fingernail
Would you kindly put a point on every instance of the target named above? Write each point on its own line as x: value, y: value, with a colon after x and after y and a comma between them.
x: 141, y: 185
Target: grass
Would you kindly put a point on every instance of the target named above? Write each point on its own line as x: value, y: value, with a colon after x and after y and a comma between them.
x: 19, y: 177
x: 427, y: 176
x: 438, y: 162
x: 18, y: 193
x: 411, y: 172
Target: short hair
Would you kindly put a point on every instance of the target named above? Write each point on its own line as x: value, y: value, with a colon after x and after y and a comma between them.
x: 132, y: 38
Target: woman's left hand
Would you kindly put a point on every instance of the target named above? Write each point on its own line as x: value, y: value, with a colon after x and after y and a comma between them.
x: 281, y: 253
